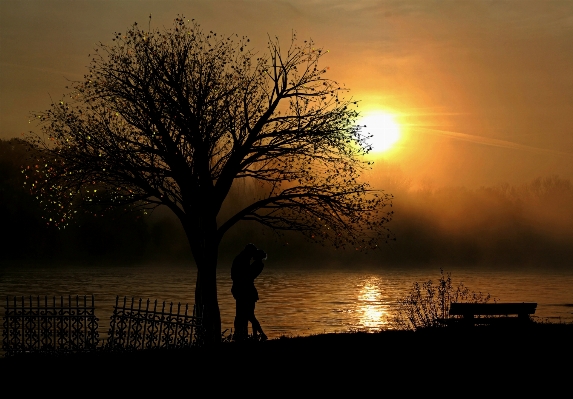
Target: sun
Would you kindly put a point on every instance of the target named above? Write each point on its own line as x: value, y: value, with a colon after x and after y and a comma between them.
x: 384, y: 129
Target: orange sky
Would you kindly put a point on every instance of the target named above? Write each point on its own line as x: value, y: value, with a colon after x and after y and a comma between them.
x: 483, y: 89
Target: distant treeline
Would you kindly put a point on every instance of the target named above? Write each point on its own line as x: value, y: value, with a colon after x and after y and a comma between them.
x: 530, y: 224
x: 119, y: 237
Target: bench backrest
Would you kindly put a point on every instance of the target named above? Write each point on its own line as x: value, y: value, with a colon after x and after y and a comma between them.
x: 45, y: 326
x: 492, y: 309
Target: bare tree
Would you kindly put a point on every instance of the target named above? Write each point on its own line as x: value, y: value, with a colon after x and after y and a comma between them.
x: 175, y: 117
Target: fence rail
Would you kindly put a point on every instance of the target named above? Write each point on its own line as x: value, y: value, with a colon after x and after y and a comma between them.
x: 49, y: 327
x: 134, y: 326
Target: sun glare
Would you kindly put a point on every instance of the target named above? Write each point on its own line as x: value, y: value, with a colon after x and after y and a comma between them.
x: 384, y: 129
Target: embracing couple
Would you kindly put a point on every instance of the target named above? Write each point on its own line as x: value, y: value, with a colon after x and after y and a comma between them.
x: 243, y: 273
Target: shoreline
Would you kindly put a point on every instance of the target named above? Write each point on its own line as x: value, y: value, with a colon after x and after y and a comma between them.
x: 539, y: 341
x: 444, y: 362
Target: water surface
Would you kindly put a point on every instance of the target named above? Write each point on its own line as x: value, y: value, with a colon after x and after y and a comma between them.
x: 293, y: 301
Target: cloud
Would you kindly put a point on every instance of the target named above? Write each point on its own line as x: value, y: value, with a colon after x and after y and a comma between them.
x: 493, y: 142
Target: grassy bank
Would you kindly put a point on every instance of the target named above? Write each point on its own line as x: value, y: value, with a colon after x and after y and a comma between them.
x: 539, y: 354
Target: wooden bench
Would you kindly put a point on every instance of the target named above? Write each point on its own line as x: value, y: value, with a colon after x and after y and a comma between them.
x: 40, y: 325
x: 495, y: 313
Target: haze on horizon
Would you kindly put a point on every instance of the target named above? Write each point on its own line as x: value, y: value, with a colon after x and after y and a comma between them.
x: 482, y: 92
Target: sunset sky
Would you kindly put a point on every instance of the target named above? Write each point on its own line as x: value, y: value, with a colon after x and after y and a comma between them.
x: 481, y: 91
x: 470, y: 103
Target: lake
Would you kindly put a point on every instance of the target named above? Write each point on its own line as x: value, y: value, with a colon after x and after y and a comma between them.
x: 293, y: 301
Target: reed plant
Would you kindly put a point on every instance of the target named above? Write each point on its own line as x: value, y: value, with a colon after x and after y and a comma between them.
x: 427, y: 303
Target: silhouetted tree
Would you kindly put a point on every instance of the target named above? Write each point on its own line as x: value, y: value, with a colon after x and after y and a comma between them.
x: 176, y: 117
x: 120, y: 235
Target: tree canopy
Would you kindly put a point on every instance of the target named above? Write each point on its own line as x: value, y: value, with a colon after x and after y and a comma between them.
x: 176, y: 117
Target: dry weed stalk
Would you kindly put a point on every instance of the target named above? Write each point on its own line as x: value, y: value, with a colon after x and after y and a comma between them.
x: 427, y: 303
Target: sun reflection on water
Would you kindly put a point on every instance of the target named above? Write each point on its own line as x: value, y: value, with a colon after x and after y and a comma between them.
x: 371, y: 308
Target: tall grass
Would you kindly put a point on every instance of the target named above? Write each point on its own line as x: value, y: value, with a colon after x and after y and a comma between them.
x: 425, y: 304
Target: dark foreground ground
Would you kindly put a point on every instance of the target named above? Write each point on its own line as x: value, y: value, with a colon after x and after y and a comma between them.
x: 446, y: 362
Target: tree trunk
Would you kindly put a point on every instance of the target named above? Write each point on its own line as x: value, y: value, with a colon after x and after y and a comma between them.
x: 205, y: 248
x: 207, y: 303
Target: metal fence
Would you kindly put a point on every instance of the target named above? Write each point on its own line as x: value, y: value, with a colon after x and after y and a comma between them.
x: 48, y: 327
x: 42, y: 325
x: 134, y: 326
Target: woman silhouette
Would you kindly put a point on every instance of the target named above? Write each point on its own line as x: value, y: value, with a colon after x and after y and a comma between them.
x: 242, y: 292
x: 255, y: 269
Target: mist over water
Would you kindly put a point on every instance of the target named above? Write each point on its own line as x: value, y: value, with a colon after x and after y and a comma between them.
x: 518, y: 225
x: 294, y: 301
